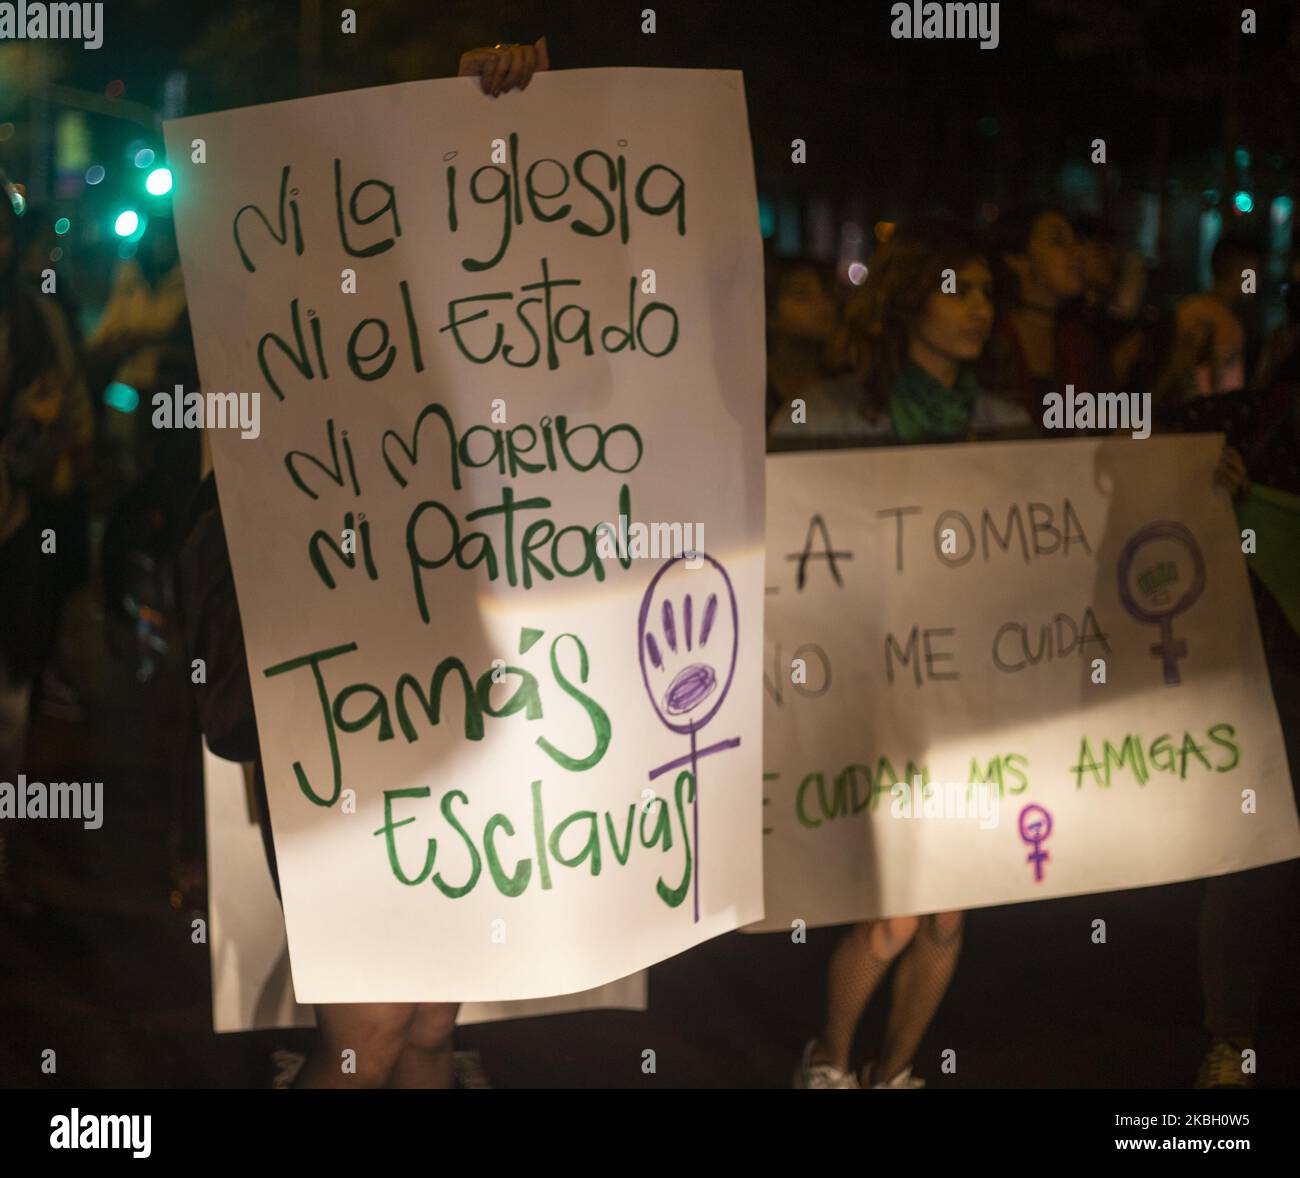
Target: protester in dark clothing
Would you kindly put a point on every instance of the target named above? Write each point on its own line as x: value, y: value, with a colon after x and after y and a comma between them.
x: 1209, y: 354
x: 1037, y: 347
x: 801, y: 317
x: 1113, y: 310
x: 1243, y: 913
x: 1279, y: 361
x: 45, y: 435
x: 68, y: 512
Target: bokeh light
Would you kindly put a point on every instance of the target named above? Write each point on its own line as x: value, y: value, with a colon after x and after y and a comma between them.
x: 121, y: 397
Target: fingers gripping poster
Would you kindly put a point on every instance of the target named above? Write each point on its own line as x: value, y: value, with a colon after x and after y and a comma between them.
x: 497, y: 531
x: 998, y: 673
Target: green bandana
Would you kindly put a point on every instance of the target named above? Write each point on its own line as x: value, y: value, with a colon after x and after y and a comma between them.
x: 922, y: 410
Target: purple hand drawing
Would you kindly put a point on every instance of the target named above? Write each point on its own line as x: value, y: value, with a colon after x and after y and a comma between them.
x: 688, y: 659
x: 1153, y: 586
x: 1035, y: 832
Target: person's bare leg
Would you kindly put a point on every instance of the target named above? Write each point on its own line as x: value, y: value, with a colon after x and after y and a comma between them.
x: 919, y: 986
x: 860, y: 960
x: 374, y: 1031
x: 426, y: 1060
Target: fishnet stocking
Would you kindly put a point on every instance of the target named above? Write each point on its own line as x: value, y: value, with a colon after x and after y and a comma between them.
x: 860, y: 959
x: 924, y: 972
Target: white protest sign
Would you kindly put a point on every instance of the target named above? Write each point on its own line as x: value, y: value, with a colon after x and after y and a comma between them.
x: 510, y: 752
x: 1057, y: 637
x: 251, y: 986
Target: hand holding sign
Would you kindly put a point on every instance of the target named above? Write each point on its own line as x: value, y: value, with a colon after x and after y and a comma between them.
x: 503, y: 67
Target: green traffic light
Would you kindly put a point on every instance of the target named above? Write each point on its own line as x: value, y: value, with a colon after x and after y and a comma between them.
x: 1243, y: 202
x: 122, y: 397
x: 159, y: 182
x: 128, y: 221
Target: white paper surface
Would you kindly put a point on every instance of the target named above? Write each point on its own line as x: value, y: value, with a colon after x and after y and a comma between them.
x: 672, y: 871
x: 251, y: 985
x: 843, y: 845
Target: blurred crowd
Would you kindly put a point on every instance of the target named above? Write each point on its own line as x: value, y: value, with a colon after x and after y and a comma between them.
x: 1042, y: 303
x: 940, y: 336
x: 92, y: 498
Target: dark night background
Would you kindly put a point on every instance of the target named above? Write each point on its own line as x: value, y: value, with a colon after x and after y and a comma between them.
x: 103, y: 969
x: 893, y: 128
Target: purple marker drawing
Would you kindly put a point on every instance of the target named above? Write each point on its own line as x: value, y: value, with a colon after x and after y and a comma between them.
x: 686, y: 694
x: 1035, y: 825
x: 1153, y: 585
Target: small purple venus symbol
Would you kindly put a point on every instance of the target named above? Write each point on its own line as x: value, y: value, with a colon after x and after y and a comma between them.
x: 1035, y: 826
x: 687, y: 671
x: 1153, y: 587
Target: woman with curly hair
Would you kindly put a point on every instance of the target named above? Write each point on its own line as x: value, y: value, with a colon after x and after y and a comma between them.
x: 914, y: 334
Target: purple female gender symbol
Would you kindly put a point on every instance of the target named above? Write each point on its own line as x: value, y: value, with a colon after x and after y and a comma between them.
x: 1167, y: 649
x: 1035, y: 832
x: 694, y: 685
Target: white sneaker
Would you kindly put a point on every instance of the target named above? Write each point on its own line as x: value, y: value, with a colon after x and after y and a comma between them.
x: 821, y: 1075
x: 904, y: 1079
